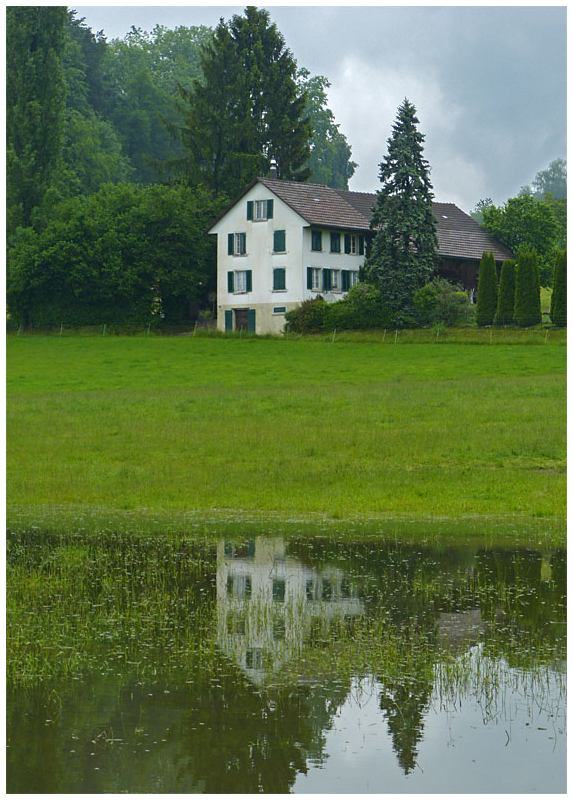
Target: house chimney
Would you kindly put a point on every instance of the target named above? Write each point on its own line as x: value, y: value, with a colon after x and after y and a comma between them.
x: 273, y: 173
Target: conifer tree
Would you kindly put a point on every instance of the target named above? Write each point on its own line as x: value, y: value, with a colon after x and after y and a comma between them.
x: 506, y: 295
x: 247, y: 109
x: 486, y: 302
x: 527, y: 310
x: 404, y: 251
x: 558, y: 311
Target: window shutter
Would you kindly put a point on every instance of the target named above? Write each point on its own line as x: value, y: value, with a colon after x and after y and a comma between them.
x: 347, y: 243
x: 250, y: 209
x: 251, y: 320
x: 228, y: 320
x: 279, y: 278
x: 279, y: 242
x: 230, y: 282
x: 361, y: 245
x: 345, y: 280
x: 230, y: 244
x: 270, y: 207
x: 249, y: 280
x: 309, y: 277
x: 326, y: 279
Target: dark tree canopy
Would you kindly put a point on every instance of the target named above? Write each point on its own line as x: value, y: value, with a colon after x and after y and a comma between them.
x: 404, y: 251
x: 558, y: 311
x: 527, y: 309
x: 486, y: 302
x: 247, y: 108
x: 35, y: 101
x: 506, y: 294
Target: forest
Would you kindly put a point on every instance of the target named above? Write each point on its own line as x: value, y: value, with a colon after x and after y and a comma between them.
x: 120, y: 153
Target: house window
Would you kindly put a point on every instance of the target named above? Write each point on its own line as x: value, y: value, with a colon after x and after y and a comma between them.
x: 350, y: 243
x: 334, y: 242
x: 259, y: 210
x: 316, y: 243
x: 313, y: 278
x: 335, y: 279
x: 279, y: 242
x: 254, y: 658
x: 279, y: 310
x: 242, y: 281
x: 353, y: 278
x: 279, y: 279
x: 279, y: 590
x: 237, y: 244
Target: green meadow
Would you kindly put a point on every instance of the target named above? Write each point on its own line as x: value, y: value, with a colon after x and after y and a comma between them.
x: 305, y: 428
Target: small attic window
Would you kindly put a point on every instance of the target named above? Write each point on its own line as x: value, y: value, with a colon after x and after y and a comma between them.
x: 444, y: 216
x: 316, y: 199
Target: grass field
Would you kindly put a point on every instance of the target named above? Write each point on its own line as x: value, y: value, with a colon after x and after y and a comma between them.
x: 302, y: 427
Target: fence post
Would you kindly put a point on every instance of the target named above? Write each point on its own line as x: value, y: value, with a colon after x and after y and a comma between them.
x: 546, y: 335
x: 396, y: 337
x: 195, y: 328
x: 384, y: 336
x: 334, y: 335
x: 61, y: 328
x: 148, y: 328
x: 19, y: 330
x: 104, y: 327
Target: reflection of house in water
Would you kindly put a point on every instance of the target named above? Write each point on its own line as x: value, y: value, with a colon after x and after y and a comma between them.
x: 269, y: 605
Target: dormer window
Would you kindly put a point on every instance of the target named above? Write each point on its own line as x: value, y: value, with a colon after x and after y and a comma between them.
x: 259, y: 210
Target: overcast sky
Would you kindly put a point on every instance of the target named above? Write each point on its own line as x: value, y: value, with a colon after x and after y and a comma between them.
x: 489, y: 83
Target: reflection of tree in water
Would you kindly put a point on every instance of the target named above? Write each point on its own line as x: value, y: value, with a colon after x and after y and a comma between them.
x: 404, y: 702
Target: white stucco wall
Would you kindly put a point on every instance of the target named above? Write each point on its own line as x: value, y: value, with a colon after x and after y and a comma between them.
x: 261, y: 260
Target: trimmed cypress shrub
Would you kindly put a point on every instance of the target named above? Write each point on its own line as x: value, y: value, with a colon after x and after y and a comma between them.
x: 558, y: 311
x: 506, y: 294
x: 527, y: 309
x: 486, y: 303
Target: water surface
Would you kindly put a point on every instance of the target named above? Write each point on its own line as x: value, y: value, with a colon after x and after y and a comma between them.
x: 274, y: 664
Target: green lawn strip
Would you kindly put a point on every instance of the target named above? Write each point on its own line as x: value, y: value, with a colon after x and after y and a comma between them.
x: 351, y: 431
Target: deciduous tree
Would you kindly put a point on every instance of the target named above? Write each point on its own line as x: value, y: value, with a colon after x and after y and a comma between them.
x: 35, y: 101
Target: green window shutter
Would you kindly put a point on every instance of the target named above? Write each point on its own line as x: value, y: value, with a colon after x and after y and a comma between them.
x: 347, y: 243
x: 228, y: 320
x: 251, y: 320
x: 345, y: 280
x: 326, y: 279
x: 279, y: 281
x: 279, y: 245
x: 316, y: 240
x: 361, y: 245
x: 230, y: 282
x: 270, y: 207
x: 309, y: 277
x: 250, y: 205
x: 249, y: 280
x: 230, y: 244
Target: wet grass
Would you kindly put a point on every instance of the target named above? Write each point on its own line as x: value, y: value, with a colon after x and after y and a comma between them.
x: 302, y: 429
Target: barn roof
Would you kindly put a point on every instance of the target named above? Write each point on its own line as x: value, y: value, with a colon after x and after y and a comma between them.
x: 459, y: 236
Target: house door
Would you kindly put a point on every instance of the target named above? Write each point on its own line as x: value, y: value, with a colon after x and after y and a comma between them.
x: 241, y: 319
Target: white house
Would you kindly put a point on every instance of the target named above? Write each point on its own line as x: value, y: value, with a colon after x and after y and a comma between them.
x: 283, y: 242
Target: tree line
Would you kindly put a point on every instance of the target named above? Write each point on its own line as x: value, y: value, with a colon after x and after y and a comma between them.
x: 115, y: 147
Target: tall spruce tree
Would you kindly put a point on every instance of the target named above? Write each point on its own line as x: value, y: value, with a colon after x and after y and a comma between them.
x: 558, y: 310
x: 404, y: 251
x: 506, y: 294
x: 35, y: 102
x: 527, y: 311
x: 486, y: 302
x: 246, y: 110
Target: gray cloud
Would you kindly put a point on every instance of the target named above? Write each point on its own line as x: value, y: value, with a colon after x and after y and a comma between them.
x: 489, y: 83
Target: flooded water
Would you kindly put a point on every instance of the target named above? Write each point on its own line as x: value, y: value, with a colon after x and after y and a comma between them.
x: 277, y: 665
